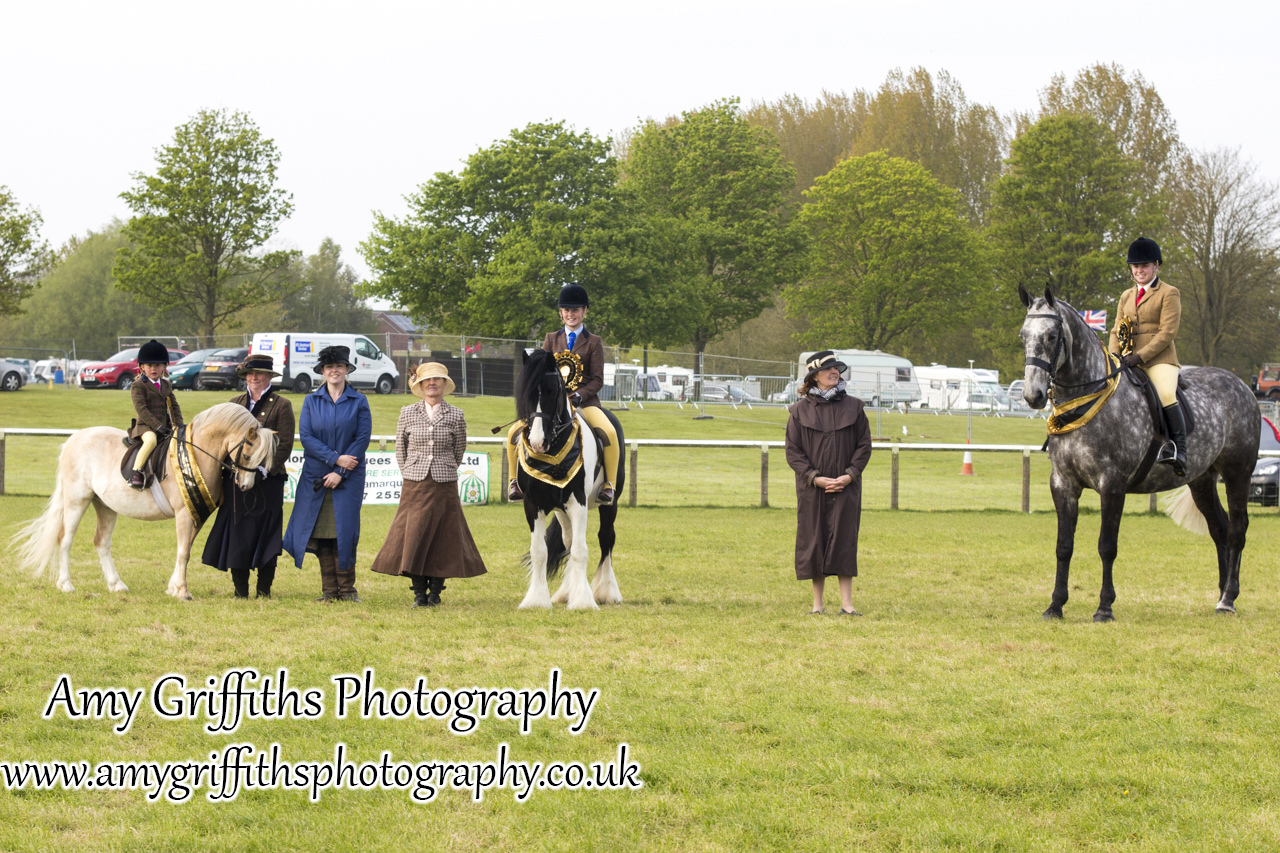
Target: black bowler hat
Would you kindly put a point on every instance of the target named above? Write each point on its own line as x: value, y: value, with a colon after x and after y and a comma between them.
x: 821, y: 361
x: 333, y: 355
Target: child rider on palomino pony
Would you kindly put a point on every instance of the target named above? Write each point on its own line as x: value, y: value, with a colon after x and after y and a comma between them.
x: 1154, y: 308
x: 158, y: 412
x: 575, y: 338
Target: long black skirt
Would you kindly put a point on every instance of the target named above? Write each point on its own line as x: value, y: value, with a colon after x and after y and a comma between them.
x: 246, y: 530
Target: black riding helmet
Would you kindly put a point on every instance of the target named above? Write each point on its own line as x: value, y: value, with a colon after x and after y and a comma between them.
x: 573, y: 296
x: 1144, y: 250
x: 153, y: 352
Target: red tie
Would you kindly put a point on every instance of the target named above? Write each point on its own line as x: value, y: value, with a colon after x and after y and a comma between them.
x: 1141, y: 292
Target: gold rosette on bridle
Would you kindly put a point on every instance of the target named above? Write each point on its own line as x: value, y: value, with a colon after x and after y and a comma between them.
x: 571, y: 369
x: 1124, y: 334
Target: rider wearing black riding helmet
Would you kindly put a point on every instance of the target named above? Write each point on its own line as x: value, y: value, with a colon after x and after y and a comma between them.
x: 1154, y: 310
x: 157, y: 409
x: 573, y: 303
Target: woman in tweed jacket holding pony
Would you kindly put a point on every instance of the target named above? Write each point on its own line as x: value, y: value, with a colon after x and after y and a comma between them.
x: 429, y: 539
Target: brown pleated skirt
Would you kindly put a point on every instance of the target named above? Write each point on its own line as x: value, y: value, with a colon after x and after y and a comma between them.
x: 429, y: 535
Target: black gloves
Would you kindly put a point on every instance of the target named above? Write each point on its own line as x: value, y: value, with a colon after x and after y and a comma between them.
x: 1131, y: 360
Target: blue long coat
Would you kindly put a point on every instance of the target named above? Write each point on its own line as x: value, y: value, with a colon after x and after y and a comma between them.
x: 330, y: 430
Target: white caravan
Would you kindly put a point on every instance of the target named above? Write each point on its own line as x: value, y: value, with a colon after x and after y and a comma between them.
x: 877, y: 378
x: 962, y: 388
x: 294, y: 355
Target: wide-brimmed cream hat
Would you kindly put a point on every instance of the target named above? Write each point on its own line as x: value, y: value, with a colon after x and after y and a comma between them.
x: 425, y: 371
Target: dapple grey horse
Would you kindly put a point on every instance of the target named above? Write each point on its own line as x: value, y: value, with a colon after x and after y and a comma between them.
x: 1108, y: 453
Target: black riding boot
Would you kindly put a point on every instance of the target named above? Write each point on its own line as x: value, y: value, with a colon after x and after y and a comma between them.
x: 240, y: 577
x: 420, y: 586
x: 436, y: 586
x: 266, y: 576
x: 1178, y: 435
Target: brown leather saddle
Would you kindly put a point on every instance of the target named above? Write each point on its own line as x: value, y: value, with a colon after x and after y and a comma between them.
x: 157, y: 467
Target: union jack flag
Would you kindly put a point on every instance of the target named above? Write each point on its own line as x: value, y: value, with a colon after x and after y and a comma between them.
x: 1095, y: 319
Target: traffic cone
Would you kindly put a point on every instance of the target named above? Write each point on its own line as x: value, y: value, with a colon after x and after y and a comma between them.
x: 966, y: 468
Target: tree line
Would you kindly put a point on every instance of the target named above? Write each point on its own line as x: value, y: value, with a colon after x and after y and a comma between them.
x: 901, y: 219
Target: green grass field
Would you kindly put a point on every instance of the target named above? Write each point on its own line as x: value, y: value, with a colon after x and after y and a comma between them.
x: 949, y: 717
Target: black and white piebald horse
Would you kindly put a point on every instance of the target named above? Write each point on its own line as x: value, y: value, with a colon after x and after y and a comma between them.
x: 560, y: 472
x: 1112, y: 451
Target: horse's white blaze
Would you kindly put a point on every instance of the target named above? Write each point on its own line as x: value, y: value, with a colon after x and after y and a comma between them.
x: 537, y: 435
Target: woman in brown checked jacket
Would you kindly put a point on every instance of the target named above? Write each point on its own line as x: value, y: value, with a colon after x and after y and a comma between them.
x: 429, y: 540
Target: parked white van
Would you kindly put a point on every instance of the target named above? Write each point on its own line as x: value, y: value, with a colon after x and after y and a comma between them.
x: 294, y: 355
x: 877, y: 378
x: 962, y: 388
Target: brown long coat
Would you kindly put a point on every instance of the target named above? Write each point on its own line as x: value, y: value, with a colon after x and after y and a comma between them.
x: 827, y: 439
x: 274, y: 412
x: 1157, y: 323
x: 590, y: 348
x: 152, y: 406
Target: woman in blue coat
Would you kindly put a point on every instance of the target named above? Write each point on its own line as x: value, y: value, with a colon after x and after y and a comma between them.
x: 335, y: 427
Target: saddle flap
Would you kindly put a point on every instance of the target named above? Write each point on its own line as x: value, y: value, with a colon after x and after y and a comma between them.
x: 156, y: 467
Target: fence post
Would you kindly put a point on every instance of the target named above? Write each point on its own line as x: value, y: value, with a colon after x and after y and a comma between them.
x: 764, y: 475
x: 1026, y: 479
x: 1, y: 463
x: 634, y: 453
x: 1153, y: 508
x: 506, y: 475
x: 893, y: 477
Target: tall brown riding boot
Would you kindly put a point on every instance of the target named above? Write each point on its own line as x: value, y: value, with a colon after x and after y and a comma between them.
x: 347, y: 586
x: 328, y: 574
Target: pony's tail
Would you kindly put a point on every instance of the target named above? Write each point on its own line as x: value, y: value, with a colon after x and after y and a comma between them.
x: 1181, y: 507
x: 37, y: 541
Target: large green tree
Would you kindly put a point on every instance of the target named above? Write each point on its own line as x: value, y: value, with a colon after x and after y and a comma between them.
x: 201, y: 220
x: 723, y: 185
x: 22, y: 254
x: 326, y: 300
x: 1224, y: 249
x: 77, y: 301
x: 892, y: 259
x: 487, y: 250
x: 1131, y: 109
x: 928, y: 119
x: 812, y: 135
x: 1065, y: 211
x: 1062, y: 215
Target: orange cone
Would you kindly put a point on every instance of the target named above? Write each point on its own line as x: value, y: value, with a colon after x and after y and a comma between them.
x: 966, y: 469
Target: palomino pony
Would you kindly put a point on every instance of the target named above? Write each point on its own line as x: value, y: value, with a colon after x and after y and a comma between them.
x: 571, y: 474
x: 1112, y: 452
x: 89, y: 473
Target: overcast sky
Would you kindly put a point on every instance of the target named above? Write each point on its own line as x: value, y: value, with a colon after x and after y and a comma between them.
x: 367, y: 100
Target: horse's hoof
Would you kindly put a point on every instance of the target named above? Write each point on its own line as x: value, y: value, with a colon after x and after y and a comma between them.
x: 118, y: 586
x: 1104, y: 616
x: 65, y: 586
x: 1226, y: 609
x: 1053, y: 613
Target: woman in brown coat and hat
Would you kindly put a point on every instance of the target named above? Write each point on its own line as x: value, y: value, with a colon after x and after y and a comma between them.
x: 246, y: 531
x: 828, y: 446
x: 429, y: 540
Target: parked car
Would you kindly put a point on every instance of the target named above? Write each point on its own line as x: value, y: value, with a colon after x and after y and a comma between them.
x: 14, y: 373
x: 788, y: 394
x: 1264, y: 487
x: 183, y: 373
x: 219, y: 369
x: 119, y: 370
x: 716, y: 393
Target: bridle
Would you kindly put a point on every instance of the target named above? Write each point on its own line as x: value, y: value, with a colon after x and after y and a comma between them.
x: 1051, y: 366
x: 235, y: 465
x: 550, y: 425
